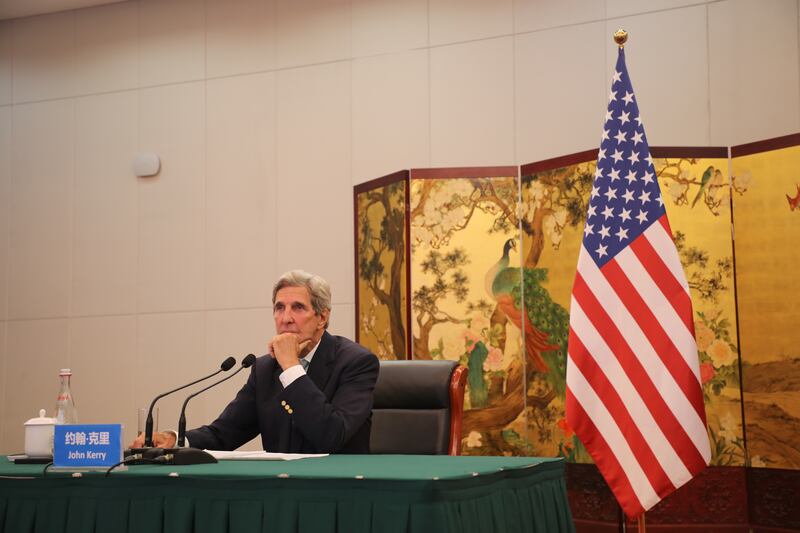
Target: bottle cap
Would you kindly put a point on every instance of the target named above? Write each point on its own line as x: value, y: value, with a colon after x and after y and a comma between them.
x: 65, y: 372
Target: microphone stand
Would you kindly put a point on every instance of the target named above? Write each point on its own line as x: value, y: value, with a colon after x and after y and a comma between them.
x: 148, y: 452
x: 195, y: 456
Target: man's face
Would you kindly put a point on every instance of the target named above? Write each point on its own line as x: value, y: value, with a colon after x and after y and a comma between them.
x: 294, y: 314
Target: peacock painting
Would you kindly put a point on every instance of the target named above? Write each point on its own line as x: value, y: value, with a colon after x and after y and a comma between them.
x: 501, y: 282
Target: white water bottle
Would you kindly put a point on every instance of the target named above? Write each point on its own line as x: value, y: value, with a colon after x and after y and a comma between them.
x: 65, y: 405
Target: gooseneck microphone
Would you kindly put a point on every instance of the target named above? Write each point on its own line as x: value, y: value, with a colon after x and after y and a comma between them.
x: 247, y: 362
x: 226, y: 365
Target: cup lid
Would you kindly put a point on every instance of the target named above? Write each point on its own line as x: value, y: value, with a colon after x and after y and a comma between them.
x: 41, y: 420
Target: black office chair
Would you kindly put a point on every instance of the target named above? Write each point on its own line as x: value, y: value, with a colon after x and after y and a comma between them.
x: 418, y: 408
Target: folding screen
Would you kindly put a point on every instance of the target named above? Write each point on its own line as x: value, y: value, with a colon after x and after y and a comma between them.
x: 486, y: 254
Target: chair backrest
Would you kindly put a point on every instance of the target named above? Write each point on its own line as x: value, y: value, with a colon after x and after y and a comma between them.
x: 418, y: 408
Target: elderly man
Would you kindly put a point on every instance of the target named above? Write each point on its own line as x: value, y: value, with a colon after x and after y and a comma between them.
x: 311, y: 394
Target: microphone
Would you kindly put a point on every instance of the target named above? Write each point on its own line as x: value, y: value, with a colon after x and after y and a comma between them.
x: 247, y: 362
x: 226, y: 365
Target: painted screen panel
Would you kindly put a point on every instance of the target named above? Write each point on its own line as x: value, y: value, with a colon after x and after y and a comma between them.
x: 697, y: 193
x: 554, y: 203
x: 381, y: 268
x: 465, y: 273
x: 767, y: 224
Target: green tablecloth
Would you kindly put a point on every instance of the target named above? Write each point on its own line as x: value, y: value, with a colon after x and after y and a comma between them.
x: 344, y: 494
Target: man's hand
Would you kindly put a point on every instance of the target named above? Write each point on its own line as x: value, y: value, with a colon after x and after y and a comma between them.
x: 163, y: 439
x: 287, y: 349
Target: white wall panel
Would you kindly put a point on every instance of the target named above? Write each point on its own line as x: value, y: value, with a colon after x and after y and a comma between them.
x: 312, y: 31
x: 386, y: 26
x: 453, y: 21
x: 5, y: 206
x: 172, y: 204
x: 35, y: 351
x: 241, y: 195
x: 233, y: 333
x: 41, y: 209
x: 107, y: 48
x: 755, y: 92
x: 472, y: 104
x: 560, y: 98
x: 170, y: 353
x: 102, y: 354
x: 3, y: 369
x: 6, y: 57
x: 105, y: 255
x: 620, y: 8
x: 240, y: 36
x: 171, y: 41
x: 391, y: 110
x: 44, y: 64
x: 541, y: 14
x: 669, y: 74
x: 315, y: 217
x: 343, y: 319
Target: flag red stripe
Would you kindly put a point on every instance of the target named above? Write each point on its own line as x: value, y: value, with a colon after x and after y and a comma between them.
x: 658, y: 338
x: 665, y: 223
x: 673, y: 430
x: 606, y: 391
x: 662, y: 276
x: 603, y: 457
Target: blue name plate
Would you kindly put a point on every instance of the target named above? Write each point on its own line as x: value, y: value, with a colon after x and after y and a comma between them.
x: 87, y: 445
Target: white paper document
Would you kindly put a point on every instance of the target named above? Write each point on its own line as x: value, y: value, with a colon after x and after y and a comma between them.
x: 261, y: 456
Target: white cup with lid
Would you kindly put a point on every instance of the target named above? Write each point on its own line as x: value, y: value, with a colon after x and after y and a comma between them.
x: 39, y: 435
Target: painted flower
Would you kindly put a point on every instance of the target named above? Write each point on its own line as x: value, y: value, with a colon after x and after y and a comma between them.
x: 453, y: 346
x: 565, y: 428
x: 676, y: 190
x: 742, y: 182
x: 706, y: 372
x: 703, y: 335
x: 479, y: 322
x: 728, y: 427
x: 470, y: 339
x: 721, y: 353
x: 494, y: 361
x: 474, y: 440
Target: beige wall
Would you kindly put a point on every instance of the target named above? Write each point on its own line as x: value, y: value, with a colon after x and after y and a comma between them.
x: 265, y: 113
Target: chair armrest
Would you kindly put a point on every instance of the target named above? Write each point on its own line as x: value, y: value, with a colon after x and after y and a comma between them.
x: 458, y: 383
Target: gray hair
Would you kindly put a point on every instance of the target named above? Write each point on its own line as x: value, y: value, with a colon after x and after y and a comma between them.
x: 317, y: 287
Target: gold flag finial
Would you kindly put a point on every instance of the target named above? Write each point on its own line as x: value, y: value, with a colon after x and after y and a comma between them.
x: 620, y: 36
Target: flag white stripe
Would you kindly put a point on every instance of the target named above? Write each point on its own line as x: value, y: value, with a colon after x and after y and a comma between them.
x: 669, y: 389
x: 651, y: 432
x: 662, y: 309
x: 659, y: 239
x: 601, y: 418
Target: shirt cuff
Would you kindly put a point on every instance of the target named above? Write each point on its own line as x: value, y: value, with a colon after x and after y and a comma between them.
x: 288, y: 376
x: 175, y: 434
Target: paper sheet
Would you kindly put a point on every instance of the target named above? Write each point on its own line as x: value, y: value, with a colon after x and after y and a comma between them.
x: 261, y: 456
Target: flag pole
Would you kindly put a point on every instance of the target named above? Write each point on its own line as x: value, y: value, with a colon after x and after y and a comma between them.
x: 621, y: 37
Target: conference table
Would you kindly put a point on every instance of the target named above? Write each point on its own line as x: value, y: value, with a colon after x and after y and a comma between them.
x: 337, y: 493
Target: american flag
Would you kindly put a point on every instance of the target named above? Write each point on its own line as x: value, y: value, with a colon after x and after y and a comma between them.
x: 633, y: 384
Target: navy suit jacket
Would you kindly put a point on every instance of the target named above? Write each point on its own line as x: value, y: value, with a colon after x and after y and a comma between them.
x: 329, y: 410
